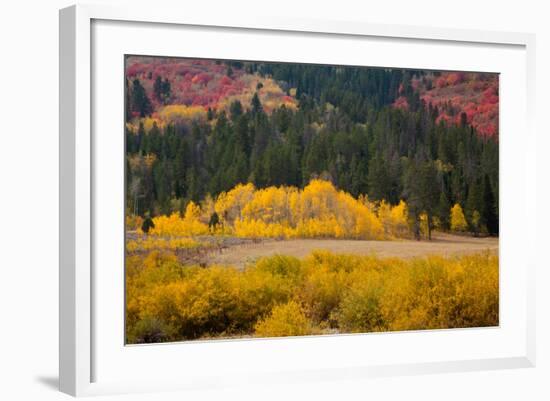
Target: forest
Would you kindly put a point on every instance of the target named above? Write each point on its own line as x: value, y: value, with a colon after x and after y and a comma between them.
x: 364, y: 145
x: 280, y: 199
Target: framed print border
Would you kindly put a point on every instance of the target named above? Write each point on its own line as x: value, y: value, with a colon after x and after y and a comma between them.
x: 76, y: 278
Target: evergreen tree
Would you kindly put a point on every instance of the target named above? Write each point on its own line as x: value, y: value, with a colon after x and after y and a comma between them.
x: 140, y: 103
x: 256, y: 105
x: 491, y: 208
x: 443, y: 211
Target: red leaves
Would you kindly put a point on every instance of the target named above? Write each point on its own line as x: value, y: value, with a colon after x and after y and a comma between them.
x: 401, y: 88
x: 490, y: 95
x: 201, y: 78
x: 455, y: 78
x: 401, y: 103
x: 475, y: 94
x: 200, y: 82
x: 135, y: 70
x: 441, y: 82
x: 193, y: 81
x: 226, y: 80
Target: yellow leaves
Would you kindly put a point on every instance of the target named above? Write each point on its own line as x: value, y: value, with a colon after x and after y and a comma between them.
x: 271, y: 203
x: 270, y: 93
x: 323, y: 293
x: 317, y: 211
x: 192, y: 212
x: 176, y: 226
x: 169, y: 114
x: 148, y: 124
x: 150, y: 159
x: 424, y: 228
x: 359, y: 309
x: 180, y: 113
x: 138, y: 161
x: 285, y: 320
x: 133, y: 222
x: 443, y: 293
x: 458, y: 221
x: 229, y: 205
x: 394, y: 219
x: 250, y: 228
x: 151, y: 243
x: 399, y: 219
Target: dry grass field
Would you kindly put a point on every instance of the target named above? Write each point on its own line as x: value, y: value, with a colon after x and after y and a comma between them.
x: 442, y: 244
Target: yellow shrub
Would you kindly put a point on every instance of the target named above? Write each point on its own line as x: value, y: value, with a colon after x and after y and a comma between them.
x: 322, y: 291
x: 133, y: 222
x: 180, y: 113
x: 152, y: 242
x: 325, y: 292
x: 443, y: 293
x: 285, y: 320
x: 360, y: 309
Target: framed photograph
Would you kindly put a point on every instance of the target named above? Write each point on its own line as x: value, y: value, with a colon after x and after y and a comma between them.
x: 280, y: 200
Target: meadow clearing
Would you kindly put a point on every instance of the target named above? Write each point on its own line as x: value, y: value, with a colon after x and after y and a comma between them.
x: 441, y: 244
x: 233, y: 251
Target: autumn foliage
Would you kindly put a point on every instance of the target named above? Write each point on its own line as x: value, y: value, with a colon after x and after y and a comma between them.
x: 453, y: 93
x: 317, y: 211
x: 196, y: 86
x: 323, y: 293
x: 458, y: 221
x: 175, y: 225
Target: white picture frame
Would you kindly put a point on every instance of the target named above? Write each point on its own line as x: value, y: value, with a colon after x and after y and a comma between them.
x: 78, y: 345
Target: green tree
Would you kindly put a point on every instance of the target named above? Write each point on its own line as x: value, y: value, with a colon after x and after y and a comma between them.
x: 491, y: 207
x: 140, y: 103
x: 147, y: 224
x: 443, y: 211
x: 255, y: 104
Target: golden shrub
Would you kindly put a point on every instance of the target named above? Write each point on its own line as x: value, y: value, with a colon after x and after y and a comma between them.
x: 149, y: 243
x: 324, y: 292
x: 285, y: 320
x: 133, y: 222
x: 360, y: 309
x: 180, y: 113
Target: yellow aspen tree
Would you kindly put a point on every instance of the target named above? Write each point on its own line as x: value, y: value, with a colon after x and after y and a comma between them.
x: 458, y: 221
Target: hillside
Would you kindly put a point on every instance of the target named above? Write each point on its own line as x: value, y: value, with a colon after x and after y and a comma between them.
x: 198, y: 128
x: 182, y: 89
x: 453, y: 93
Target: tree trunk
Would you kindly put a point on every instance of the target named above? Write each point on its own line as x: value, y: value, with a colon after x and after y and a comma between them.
x: 429, y: 227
